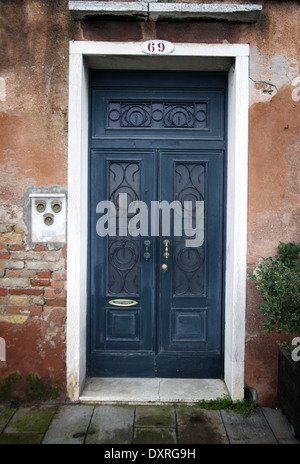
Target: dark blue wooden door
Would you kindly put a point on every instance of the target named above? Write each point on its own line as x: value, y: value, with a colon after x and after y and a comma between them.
x: 189, y: 340
x: 156, y: 215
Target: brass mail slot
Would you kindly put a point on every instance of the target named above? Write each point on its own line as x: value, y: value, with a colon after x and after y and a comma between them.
x: 122, y: 302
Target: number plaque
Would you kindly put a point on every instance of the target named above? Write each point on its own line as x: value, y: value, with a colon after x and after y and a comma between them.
x: 157, y: 47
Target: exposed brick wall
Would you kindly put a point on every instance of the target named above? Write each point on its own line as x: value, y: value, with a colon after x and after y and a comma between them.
x: 32, y: 305
x: 32, y: 281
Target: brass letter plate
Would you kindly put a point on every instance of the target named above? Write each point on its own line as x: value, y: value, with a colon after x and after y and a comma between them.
x: 122, y: 302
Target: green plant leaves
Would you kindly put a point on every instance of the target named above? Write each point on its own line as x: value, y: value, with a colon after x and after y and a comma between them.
x: 278, y: 280
x: 38, y: 389
x: 226, y: 403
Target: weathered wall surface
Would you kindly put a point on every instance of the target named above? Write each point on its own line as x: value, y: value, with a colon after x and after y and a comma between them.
x: 33, y: 147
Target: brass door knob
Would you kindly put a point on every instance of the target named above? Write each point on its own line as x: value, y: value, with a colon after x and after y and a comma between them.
x: 164, y: 267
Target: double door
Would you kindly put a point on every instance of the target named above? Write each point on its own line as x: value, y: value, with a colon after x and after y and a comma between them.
x: 156, y: 215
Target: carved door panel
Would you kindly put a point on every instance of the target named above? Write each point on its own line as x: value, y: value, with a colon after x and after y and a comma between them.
x: 190, y: 320
x: 156, y: 213
x: 122, y: 281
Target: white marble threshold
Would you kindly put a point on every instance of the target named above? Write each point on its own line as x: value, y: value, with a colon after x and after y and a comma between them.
x: 151, y: 390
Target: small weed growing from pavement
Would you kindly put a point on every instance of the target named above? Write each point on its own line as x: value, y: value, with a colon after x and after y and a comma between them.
x: 226, y: 403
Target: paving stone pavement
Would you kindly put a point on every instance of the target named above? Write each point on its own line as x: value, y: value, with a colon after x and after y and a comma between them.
x: 124, y: 424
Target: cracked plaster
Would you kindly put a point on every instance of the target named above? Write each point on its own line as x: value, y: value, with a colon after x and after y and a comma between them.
x: 268, y: 73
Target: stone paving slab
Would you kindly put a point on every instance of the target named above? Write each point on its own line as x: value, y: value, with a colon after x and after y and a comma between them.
x: 199, y: 426
x: 154, y: 436
x: 155, y: 425
x: 251, y: 429
x: 25, y: 425
x: 140, y: 424
x: 111, y: 425
x: 280, y: 426
x: 152, y: 416
x: 5, y: 415
x: 31, y: 419
x: 69, y: 425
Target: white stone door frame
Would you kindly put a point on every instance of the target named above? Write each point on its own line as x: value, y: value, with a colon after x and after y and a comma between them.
x: 234, y: 58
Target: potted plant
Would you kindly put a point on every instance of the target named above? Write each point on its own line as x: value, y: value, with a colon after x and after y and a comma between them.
x: 278, y: 280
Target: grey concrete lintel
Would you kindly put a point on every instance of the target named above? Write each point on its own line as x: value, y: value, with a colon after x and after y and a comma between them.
x: 157, y: 11
x: 89, y: 9
x: 203, y: 12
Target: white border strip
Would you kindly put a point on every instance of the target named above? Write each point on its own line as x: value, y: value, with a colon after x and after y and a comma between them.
x: 87, y: 48
x: 236, y: 240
